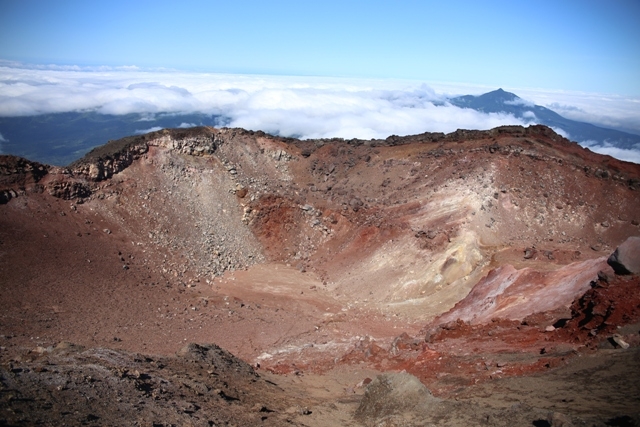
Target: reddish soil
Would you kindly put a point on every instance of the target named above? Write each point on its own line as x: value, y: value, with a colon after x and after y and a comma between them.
x: 464, y: 259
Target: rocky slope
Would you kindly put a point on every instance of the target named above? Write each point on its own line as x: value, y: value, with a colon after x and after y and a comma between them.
x: 460, y: 258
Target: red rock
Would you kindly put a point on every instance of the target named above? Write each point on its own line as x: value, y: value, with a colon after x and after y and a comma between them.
x: 515, y: 294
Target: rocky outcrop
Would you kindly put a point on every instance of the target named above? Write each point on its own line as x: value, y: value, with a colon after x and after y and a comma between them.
x: 394, y: 394
x: 17, y: 175
x: 103, y: 162
x: 104, y: 167
x: 606, y: 306
x: 626, y: 258
x: 78, y: 180
x: 191, y: 145
x: 213, y: 355
x: 118, y: 387
x: 68, y: 190
x: 16, y: 170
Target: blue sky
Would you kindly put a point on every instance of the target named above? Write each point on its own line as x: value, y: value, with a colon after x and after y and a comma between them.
x: 585, y: 45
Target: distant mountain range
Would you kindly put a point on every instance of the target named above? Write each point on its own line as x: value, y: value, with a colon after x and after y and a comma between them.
x: 500, y: 101
x: 61, y: 138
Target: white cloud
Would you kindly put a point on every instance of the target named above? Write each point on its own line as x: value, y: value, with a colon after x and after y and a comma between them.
x: 610, y: 150
x: 143, y: 131
x: 562, y: 132
x: 147, y: 118
x: 55, y: 67
x: 520, y: 101
x: 305, y: 107
x: 605, y: 110
x: 184, y: 125
x: 2, y: 139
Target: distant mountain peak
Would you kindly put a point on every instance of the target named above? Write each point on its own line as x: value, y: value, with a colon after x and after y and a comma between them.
x: 490, y: 102
x: 500, y: 95
x: 503, y: 102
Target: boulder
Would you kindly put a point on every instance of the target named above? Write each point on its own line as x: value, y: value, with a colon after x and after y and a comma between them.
x: 626, y: 258
x: 394, y: 394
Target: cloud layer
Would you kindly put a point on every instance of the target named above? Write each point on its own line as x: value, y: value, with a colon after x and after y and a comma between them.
x: 610, y: 150
x: 304, y: 107
x: 605, y: 110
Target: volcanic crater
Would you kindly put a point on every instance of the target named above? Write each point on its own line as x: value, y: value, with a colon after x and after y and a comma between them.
x: 228, y: 277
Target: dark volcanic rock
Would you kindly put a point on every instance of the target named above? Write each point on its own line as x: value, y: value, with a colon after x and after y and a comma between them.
x: 216, y: 357
x: 68, y: 385
x: 626, y: 258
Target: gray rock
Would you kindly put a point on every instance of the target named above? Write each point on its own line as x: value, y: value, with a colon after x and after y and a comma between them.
x: 355, y: 202
x: 394, y: 394
x: 558, y: 419
x: 529, y: 253
x: 605, y: 276
x: 626, y: 258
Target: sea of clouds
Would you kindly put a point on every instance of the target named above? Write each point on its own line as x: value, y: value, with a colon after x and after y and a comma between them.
x: 303, y: 107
